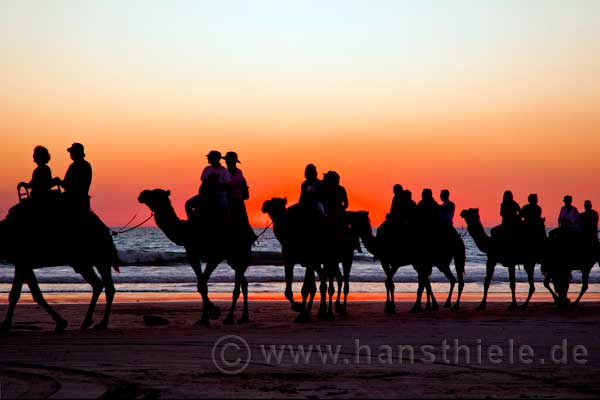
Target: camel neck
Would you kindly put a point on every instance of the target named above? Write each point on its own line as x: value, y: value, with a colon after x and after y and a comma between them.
x: 480, y: 237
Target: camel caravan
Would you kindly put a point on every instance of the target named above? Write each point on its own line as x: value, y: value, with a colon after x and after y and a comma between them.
x: 318, y: 233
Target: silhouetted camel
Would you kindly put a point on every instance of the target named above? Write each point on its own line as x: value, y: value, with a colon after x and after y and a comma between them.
x: 498, y: 251
x: 307, y: 239
x: 52, y: 242
x: 208, y: 241
x: 395, y: 249
x: 566, y: 251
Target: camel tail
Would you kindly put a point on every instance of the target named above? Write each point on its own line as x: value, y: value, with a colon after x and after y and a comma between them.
x: 460, y: 256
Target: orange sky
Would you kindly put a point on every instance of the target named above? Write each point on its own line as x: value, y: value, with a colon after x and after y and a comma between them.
x: 469, y: 98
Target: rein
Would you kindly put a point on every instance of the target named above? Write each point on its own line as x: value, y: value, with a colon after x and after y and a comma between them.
x: 263, y: 232
x: 115, y: 233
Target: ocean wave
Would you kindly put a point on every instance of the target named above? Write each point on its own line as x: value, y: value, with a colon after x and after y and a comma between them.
x: 170, y: 258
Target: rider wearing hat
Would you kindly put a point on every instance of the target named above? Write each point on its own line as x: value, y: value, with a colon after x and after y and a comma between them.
x: 238, y: 193
x: 214, y: 185
x: 77, y: 180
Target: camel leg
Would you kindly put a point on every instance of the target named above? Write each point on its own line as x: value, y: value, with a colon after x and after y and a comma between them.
x: 307, y: 289
x: 13, y: 299
x: 347, y: 266
x: 289, y: 294
x: 340, y: 282
x: 323, y: 275
x: 431, y: 295
x: 585, y: 275
x: 229, y: 320
x: 245, y: 315
x: 547, y: 279
x: 96, y: 283
x: 312, y: 288
x: 214, y: 311
x: 36, y: 293
x: 109, y: 292
x: 489, y: 273
x: 461, y: 286
x: 202, y: 287
x: 388, y: 299
x: 530, y: 269
x: 513, y: 287
x: 445, y: 269
x: 421, y: 286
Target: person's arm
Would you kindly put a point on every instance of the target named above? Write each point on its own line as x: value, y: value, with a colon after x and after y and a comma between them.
x: 344, y: 197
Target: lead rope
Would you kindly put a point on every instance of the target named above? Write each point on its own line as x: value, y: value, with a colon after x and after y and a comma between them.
x: 262, y: 232
x: 115, y: 233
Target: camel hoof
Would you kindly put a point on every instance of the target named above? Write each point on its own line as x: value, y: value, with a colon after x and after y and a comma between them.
x: 322, y: 313
x: 455, y: 307
x: 5, y: 327
x: 302, y: 318
x: 244, y: 319
x: 415, y: 310
x: 229, y: 320
x: 512, y: 307
x: 434, y: 307
x: 297, y: 307
x: 329, y: 316
x: 523, y: 307
x: 101, y: 326
x: 448, y: 304
x: 87, y: 323
x: 575, y: 305
x: 61, y: 325
x: 215, y: 312
x: 340, y: 309
x: 481, y: 307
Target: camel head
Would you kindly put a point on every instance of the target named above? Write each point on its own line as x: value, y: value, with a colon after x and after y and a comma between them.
x: 275, y: 206
x: 155, y: 199
x: 470, y: 215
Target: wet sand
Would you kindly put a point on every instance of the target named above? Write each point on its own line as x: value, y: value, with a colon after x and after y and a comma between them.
x: 176, y: 360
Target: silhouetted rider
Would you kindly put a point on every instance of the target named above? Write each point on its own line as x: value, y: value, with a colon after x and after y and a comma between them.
x: 569, y: 215
x: 311, y: 190
x: 510, y: 211
x: 41, y: 179
x: 214, y: 185
x: 588, y: 220
x: 447, y: 207
x: 77, y: 181
x: 238, y: 193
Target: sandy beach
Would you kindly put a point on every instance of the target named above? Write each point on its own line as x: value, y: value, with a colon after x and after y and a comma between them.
x: 541, y: 352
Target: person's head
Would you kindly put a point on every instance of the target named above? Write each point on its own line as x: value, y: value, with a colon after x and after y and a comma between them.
x: 231, y: 159
x: 508, y: 196
x: 332, y: 178
x: 408, y: 194
x: 532, y: 199
x: 568, y: 200
x: 214, y: 158
x: 587, y: 205
x: 76, y: 151
x: 398, y: 189
x: 310, y: 172
x: 41, y: 155
x: 445, y: 195
x: 426, y: 194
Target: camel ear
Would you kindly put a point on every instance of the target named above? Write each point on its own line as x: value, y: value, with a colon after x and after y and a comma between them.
x: 168, y: 192
x: 284, y: 200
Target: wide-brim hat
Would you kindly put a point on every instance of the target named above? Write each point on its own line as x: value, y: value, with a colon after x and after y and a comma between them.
x: 232, y: 156
x: 214, y: 153
x: 76, y: 148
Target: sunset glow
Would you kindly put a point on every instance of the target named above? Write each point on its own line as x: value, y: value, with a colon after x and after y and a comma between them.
x: 476, y: 98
